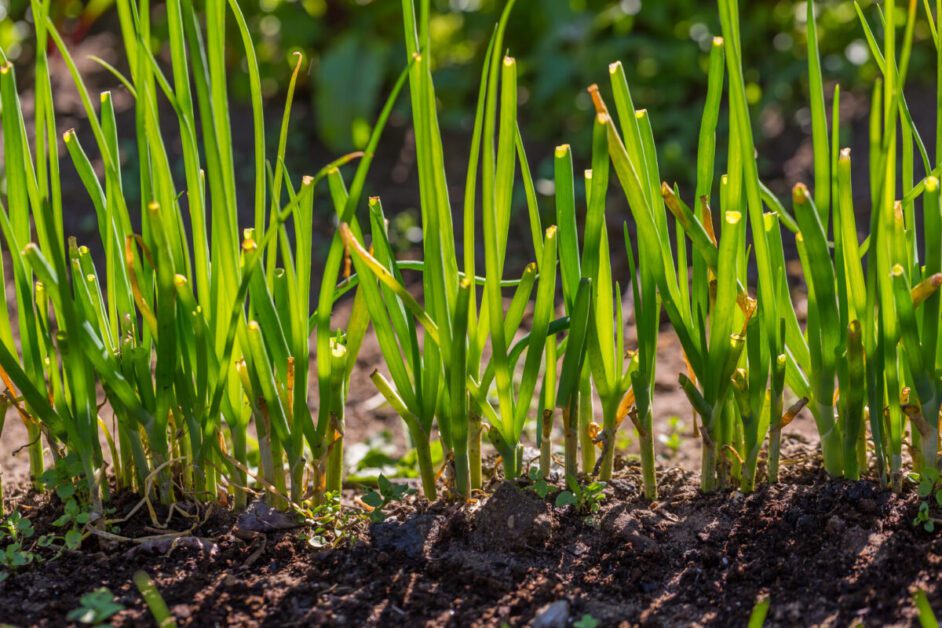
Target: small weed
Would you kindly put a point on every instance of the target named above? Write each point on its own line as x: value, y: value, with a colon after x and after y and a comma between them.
x: 15, y: 532
x: 330, y: 525
x: 379, y: 455
x: 539, y: 484
x: 61, y: 479
x: 930, y: 491
x: 586, y: 621
x: 585, y: 499
x: 73, y: 518
x: 671, y: 439
x: 95, y: 608
x: 388, y: 493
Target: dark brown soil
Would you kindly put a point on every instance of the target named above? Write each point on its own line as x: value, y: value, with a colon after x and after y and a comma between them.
x: 825, y: 552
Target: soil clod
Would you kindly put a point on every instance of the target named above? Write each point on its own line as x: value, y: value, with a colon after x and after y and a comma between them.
x: 513, y: 518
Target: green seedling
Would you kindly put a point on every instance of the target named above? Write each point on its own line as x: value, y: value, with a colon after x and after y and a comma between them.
x: 585, y: 499
x: 387, y: 493
x: 95, y: 608
x: 586, y: 621
x: 538, y: 484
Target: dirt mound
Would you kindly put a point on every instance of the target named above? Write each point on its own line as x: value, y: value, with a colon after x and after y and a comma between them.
x: 512, y: 519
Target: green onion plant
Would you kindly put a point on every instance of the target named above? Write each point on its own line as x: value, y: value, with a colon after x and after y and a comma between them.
x: 192, y: 330
x: 192, y: 338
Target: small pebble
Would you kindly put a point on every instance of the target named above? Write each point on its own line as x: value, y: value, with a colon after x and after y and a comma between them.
x: 553, y: 615
x: 181, y: 611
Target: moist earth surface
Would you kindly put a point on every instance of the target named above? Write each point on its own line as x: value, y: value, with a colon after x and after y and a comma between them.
x: 825, y: 552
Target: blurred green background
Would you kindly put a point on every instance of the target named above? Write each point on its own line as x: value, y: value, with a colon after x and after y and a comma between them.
x: 562, y: 46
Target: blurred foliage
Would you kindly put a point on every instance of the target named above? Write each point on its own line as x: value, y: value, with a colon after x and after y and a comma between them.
x: 562, y: 46
x: 15, y: 29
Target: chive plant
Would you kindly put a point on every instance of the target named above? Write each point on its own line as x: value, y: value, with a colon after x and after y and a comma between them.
x: 907, y: 342
x: 398, y: 337
x: 624, y: 389
x: 497, y: 183
x: 444, y: 379
x: 576, y: 294
x: 870, y: 347
x: 713, y: 350
x: 191, y: 338
x: 58, y: 397
x: 827, y: 361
